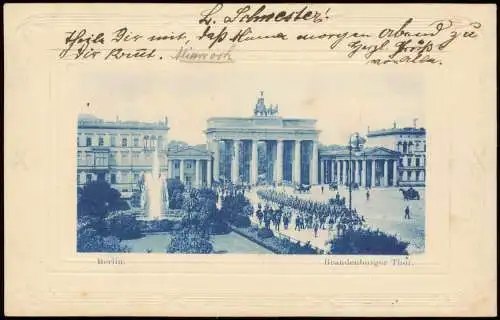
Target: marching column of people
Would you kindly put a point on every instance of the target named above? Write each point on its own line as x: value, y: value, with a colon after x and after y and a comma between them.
x: 279, y: 208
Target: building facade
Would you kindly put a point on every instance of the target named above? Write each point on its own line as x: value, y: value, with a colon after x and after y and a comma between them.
x: 121, y: 152
x: 410, y: 142
x: 370, y: 167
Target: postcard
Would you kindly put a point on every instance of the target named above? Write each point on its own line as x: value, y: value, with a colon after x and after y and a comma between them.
x: 250, y: 159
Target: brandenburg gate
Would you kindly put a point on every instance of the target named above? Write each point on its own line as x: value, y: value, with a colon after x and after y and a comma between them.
x: 285, y: 148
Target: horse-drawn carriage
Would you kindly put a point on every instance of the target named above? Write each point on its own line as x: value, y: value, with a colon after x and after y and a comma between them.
x: 303, y: 188
x: 410, y: 194
x: 333, y: 186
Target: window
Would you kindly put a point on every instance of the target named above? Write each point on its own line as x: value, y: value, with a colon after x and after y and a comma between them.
x: 176, y: 165
x: 136, y: 155
x: 77, y: 141
x: 124, y: 177
x: 113, y: 178
x: 101, y: 176
x: 113, y: 141
x: 89, y: 159
x: 136, y: 177
x: 136, y: 142
x: 101, y: 159
x: 112, y: 158
x: 89, y: 177
x: 405, y: 148
x: 89, y: 142
x: 78, y: 178
x: 124, y: 158
x: 101, y: 141
x: 409, y: 162
x: 417, y: 162
x: 188, y: 165
x: 124, y: 142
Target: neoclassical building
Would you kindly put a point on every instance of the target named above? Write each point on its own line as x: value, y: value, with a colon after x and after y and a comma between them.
x: 120, y: 152
x: 191, y: 165
x: 371, y: 167
x: 291, y: 147
x: 410, y: 143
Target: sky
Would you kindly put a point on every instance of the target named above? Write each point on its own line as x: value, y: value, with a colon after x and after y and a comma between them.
x: 343, y: 99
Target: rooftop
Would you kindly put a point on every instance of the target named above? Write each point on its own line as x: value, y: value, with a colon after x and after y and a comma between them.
x: 91, y: 121
x: 392, y: 131
x: 343, y: 151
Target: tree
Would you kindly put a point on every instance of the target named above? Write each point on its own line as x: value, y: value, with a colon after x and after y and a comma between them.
x: 236, y: 208
x: 97, y: 198
x: 175, y: 191
x: 189, y: 202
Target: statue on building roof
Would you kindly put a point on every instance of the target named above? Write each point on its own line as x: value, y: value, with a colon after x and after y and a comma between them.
x: 272, y: 111
x: 260, y: 107
x: 262, y: 110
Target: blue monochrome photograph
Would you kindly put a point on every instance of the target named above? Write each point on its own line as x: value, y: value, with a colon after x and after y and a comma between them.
x: 260, y: 184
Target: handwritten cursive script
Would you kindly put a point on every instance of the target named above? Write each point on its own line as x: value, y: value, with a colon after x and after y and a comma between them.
x: 219, y: 30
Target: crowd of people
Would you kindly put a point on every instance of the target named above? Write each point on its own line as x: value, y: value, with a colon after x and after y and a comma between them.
x: 281, y: 207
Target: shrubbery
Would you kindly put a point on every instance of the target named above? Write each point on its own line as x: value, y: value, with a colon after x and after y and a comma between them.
x: 88, y: 240
x: 266, y: 238
x: 156, y: 226
x: 177, y: 226
x: 103, y: 219
x: 367, y: 241
x: 123, y: 225
x: 265, y: 233
x: 240, y: 221
x: 95, y: 233
x: 219, y: 227
x: 192, y: 240
x: 289, y: 247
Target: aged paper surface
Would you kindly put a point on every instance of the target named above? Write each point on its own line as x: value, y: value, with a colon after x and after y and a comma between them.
x: 348, y: 66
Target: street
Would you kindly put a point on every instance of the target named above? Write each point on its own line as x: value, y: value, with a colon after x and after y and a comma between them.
x: 384, y: 210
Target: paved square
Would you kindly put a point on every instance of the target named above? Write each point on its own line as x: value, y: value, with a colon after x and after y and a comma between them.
x: 384, y: 210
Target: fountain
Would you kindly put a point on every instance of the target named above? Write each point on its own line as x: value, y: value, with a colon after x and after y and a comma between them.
x: 154, y: 194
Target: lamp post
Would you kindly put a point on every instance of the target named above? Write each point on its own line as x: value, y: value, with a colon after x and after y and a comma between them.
x: 356, y: 145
